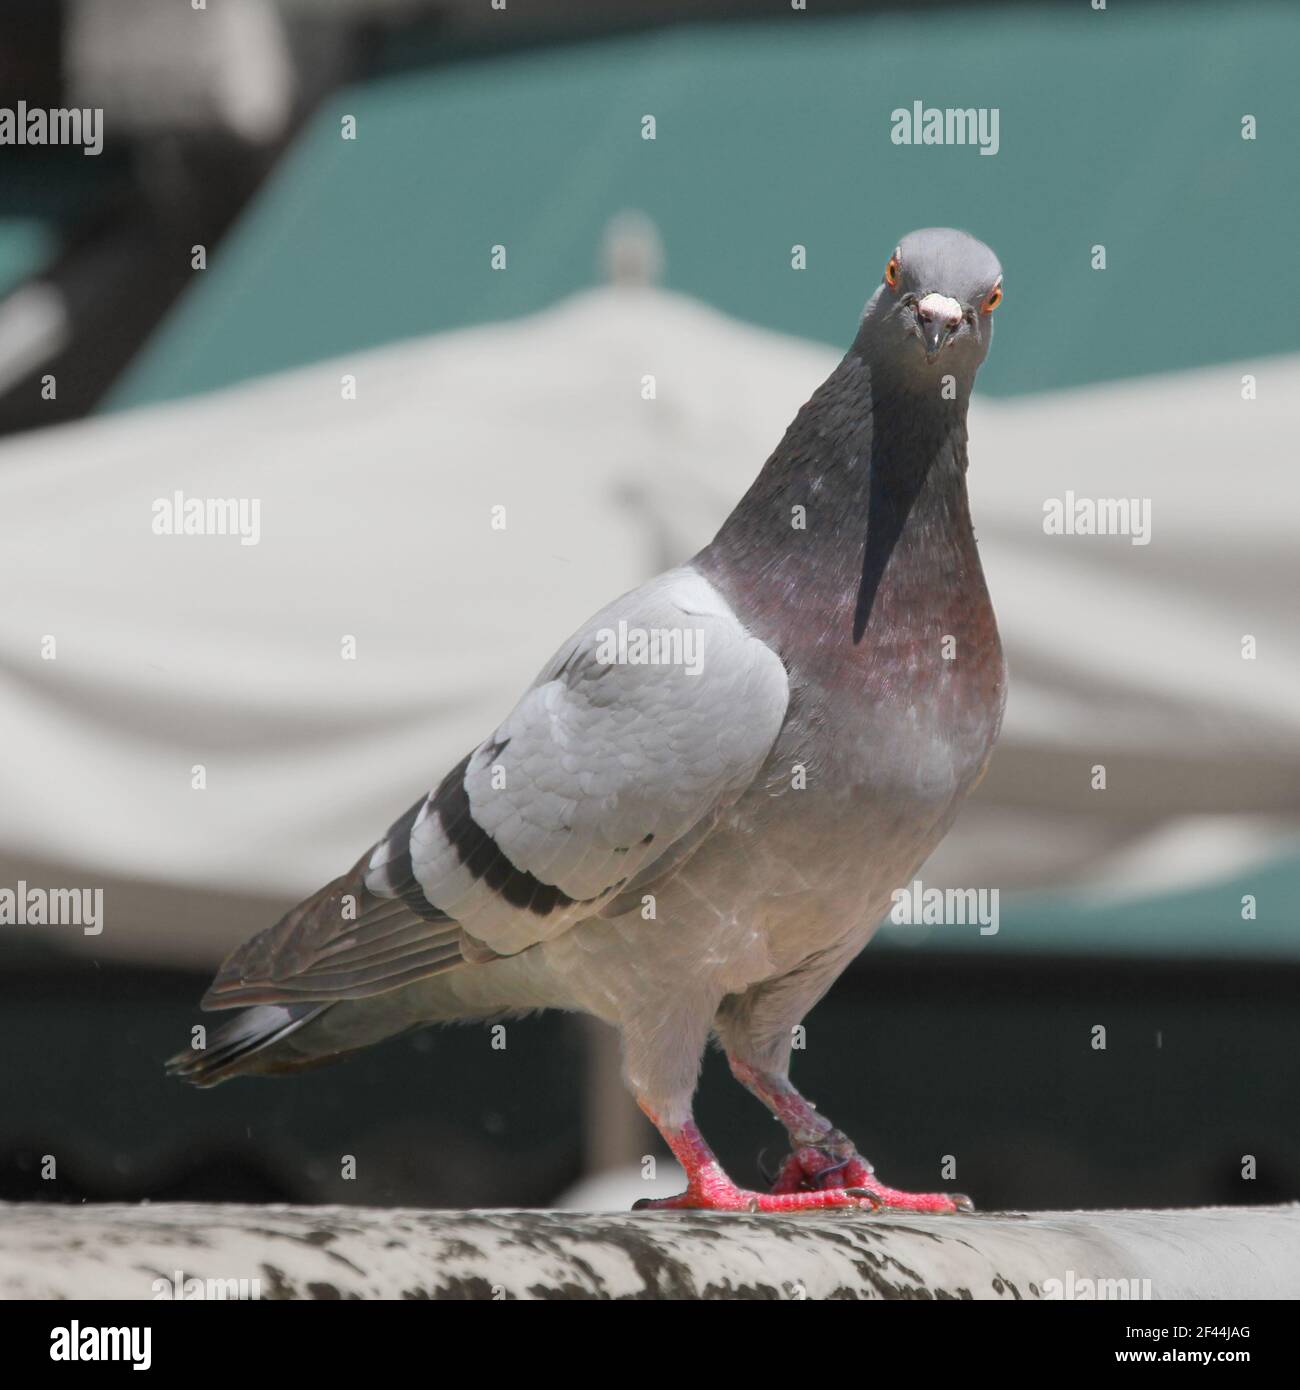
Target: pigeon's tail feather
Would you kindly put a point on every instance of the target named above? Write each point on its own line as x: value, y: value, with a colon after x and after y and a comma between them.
x: 348, y: 940
x: 250, y: 1043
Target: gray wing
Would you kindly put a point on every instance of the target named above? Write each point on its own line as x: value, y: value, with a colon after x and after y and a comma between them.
x: 654, y: 717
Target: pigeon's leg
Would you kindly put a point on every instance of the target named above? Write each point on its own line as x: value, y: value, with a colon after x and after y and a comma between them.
x: 662, y: 1046
x: 708, y: 1188
x: 824, y: 1159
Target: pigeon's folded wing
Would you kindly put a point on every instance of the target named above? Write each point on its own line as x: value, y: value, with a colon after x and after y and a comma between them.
x: 655, y: 716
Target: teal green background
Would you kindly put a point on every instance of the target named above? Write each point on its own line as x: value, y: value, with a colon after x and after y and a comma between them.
x: 1203, y: 922
x: 26, y: 244
x: 1120, y: 127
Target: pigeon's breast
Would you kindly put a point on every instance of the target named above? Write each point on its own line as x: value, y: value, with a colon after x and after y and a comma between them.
x: 912, y: 706
x: 917, y: 716
x: 882, y: 743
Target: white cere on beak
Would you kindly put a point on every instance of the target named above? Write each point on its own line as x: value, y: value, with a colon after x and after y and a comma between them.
x: 941, y: 309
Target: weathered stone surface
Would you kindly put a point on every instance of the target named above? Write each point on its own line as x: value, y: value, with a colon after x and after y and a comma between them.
x: 356, y: 1252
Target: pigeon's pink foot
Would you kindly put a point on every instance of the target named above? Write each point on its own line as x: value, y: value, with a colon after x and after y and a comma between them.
x: 814, y: 1170
x: 714, y: 1191
x: 708, y: 1188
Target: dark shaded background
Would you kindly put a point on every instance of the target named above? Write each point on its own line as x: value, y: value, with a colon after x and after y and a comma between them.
x: 988, y: 1060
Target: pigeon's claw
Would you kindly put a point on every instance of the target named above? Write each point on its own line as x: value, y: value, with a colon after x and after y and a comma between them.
x: 815, y: 1170
x: 726, y: 1196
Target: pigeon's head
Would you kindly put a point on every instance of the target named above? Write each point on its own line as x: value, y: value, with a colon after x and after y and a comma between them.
x: 933, y: 313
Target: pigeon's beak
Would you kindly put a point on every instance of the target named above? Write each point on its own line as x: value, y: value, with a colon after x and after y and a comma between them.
x: 938, y: 318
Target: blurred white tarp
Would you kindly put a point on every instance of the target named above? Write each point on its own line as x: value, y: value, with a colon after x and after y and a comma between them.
x: 376, y: 524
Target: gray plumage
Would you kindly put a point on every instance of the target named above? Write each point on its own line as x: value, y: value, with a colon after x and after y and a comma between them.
x: 684, y: 852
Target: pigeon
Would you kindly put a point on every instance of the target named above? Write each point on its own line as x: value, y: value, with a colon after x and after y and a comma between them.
x: 698, y: 813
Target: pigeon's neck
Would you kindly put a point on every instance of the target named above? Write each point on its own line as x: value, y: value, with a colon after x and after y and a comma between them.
x: 863, y: 501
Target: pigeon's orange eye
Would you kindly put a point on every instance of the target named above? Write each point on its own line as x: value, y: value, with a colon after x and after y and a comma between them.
x: 891, y: 273
x: 992, y: 299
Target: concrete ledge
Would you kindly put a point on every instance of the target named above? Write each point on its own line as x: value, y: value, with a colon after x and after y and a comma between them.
x: 138, y: 1252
